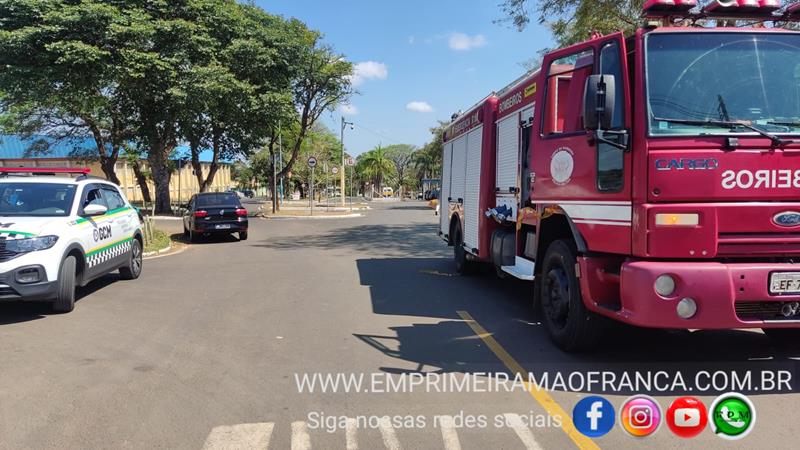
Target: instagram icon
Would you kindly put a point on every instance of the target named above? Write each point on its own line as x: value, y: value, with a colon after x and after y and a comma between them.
x: 640, y: 416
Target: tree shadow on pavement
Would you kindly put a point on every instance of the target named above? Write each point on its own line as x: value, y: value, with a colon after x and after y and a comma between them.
x: 414, y: 239
x: 429, y: 288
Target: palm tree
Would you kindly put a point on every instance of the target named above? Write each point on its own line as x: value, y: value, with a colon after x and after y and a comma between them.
x: 377, y: 164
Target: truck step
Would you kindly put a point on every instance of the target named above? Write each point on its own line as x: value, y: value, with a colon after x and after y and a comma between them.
x: 522, y: 269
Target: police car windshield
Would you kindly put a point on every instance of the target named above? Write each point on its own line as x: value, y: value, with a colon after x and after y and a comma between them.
x: 753, y: 78
x: 36, y: 199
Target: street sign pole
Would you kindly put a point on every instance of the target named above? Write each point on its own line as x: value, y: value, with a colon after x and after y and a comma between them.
x: 352, y: 169
x: 311, y: 189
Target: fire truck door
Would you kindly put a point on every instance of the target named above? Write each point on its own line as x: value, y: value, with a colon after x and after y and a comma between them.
x: 526, y: 175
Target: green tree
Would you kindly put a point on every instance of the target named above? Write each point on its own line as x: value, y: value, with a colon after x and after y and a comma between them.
x: 573, y: 21
x: 58, y: 74
x: 376, y: 166
x: 402, y: 157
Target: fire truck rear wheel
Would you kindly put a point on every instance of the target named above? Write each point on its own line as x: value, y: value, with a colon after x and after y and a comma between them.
x: 571, y: 326
x: 463, y: 265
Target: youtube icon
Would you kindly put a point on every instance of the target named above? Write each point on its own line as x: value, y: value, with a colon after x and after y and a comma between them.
x: 687, y: 417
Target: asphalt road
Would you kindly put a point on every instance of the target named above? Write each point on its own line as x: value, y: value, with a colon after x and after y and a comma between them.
x: 206, y: 347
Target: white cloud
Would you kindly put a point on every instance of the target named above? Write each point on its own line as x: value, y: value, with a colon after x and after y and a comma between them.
x: 412, y: 40
x: 348, y: 109
x: 463, y: 42
x: 368, y: 70
x: 418, y: 106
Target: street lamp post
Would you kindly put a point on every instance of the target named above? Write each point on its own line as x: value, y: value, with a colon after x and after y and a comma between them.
x: 341, y: 176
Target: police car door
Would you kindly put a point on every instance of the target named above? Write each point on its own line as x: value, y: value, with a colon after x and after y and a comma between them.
x: 96, y: 233
x: 123, y: 224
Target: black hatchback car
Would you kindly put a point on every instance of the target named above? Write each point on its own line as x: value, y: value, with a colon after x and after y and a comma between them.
x: 214, y: 213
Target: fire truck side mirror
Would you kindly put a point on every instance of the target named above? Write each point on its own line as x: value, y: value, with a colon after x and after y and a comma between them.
x: 598, y: 102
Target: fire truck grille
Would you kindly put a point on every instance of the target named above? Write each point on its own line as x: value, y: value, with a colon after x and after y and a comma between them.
x: 758, y: 244
x: 763, y: 311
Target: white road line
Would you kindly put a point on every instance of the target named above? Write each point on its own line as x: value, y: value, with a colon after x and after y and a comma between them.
x: 387, y: 432
x: 300, y: 438
x: 522, y: 431
x: 449, y: 434
x: 244, y: 436
x: 350, y: 434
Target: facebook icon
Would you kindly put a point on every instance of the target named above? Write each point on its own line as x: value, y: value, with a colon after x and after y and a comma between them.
x: 593, y: 416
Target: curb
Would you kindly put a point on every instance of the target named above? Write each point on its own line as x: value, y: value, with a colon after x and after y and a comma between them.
x: 343, y: 216
x: 157, y: 252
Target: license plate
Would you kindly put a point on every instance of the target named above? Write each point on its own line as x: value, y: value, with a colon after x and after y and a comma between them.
x: 222, y: 226
x: 784, y: 283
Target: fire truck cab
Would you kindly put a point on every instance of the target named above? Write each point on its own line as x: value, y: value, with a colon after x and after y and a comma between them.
x: 652, y: 179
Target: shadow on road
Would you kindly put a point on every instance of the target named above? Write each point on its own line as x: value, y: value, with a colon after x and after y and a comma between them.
x: 414, y: 239
x: 428, y: 287
x: 205, y: 240
x: 17, y: 312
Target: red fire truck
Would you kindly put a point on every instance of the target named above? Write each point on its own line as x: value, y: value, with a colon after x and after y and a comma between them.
x: 652, y: 179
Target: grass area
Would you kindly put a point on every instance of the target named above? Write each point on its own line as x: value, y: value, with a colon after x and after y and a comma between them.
x: 159, y: 241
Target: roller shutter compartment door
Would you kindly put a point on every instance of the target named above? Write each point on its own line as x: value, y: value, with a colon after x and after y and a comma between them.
x: 444, y: 193
x: 472, y: 188
x: 507, y: 153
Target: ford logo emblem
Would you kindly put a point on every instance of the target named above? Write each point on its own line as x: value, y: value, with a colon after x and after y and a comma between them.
x: 787, y: 219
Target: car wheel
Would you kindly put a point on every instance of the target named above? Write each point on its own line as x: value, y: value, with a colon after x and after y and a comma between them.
x: 134, y: 267
x: 243, y: 235
x: 570, y: 325
x: 193, y: 237
x: 185, y: 231
x: 65, y: 299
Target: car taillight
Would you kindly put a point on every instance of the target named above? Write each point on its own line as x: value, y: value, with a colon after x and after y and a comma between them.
x: 201, y: 213
x: 241, y: 212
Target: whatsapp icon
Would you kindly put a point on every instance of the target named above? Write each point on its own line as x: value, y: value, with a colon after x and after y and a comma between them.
x: 732, y: 416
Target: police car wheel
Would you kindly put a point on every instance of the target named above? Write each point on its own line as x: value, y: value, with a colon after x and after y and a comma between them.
x: 134, y: 267
x: 65, y: 300
x: 570, y: 325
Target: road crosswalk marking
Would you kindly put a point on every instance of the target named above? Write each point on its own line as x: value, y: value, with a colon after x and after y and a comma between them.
x: 244, y: 436
x: 252, y: 436
x: 522, y: 431
x: 300, y: 438
x: 449, y: 434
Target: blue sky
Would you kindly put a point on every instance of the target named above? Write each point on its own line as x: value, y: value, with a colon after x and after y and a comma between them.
x: 418, y: 61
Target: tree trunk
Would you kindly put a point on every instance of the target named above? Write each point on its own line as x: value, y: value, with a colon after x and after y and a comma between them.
x: 158, y: 157
x: 107, y: 165
x: 142, y: 181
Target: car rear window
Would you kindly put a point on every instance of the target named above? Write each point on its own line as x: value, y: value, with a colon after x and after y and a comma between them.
x: 221, y: 199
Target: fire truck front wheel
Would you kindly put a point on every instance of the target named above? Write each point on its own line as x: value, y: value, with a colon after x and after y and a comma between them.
x: 571, y: 326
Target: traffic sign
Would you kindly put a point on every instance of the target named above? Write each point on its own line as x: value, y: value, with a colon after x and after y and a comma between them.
x: 312, y: 162
x: 334, y: 170
x: 351, y: 161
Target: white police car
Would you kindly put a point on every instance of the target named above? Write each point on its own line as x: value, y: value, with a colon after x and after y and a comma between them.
x: 57, y: 232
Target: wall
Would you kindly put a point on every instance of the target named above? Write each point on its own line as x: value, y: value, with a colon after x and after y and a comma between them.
x: 182, y: 185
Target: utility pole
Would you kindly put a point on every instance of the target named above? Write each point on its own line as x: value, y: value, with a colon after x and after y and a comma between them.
x: 341, y: 176
x: 280, y: 157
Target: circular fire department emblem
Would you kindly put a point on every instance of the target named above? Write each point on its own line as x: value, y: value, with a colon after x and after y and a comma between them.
x: 561, y: 166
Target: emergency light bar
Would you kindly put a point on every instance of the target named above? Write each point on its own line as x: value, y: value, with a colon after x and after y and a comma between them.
x: 717, y: 9
x: 47, y: 170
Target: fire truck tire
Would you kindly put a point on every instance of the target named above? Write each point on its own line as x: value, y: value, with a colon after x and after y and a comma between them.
x: 463, y: 265
x: 570, y: 325
x: 785, y: 336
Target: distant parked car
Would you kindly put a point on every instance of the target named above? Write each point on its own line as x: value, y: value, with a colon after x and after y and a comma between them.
x: 387, y: 192
x: 248, y: 193
x: 214, y: 213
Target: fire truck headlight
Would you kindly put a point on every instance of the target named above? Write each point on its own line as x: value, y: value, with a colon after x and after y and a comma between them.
x: 677, y: 219
x: 664, y: 285
x: 686, y: 308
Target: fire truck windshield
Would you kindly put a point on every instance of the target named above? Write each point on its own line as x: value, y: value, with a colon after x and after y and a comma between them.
x: 698, y: 83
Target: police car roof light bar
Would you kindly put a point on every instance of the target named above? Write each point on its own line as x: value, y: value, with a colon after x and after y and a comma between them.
x: 46, y: 170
